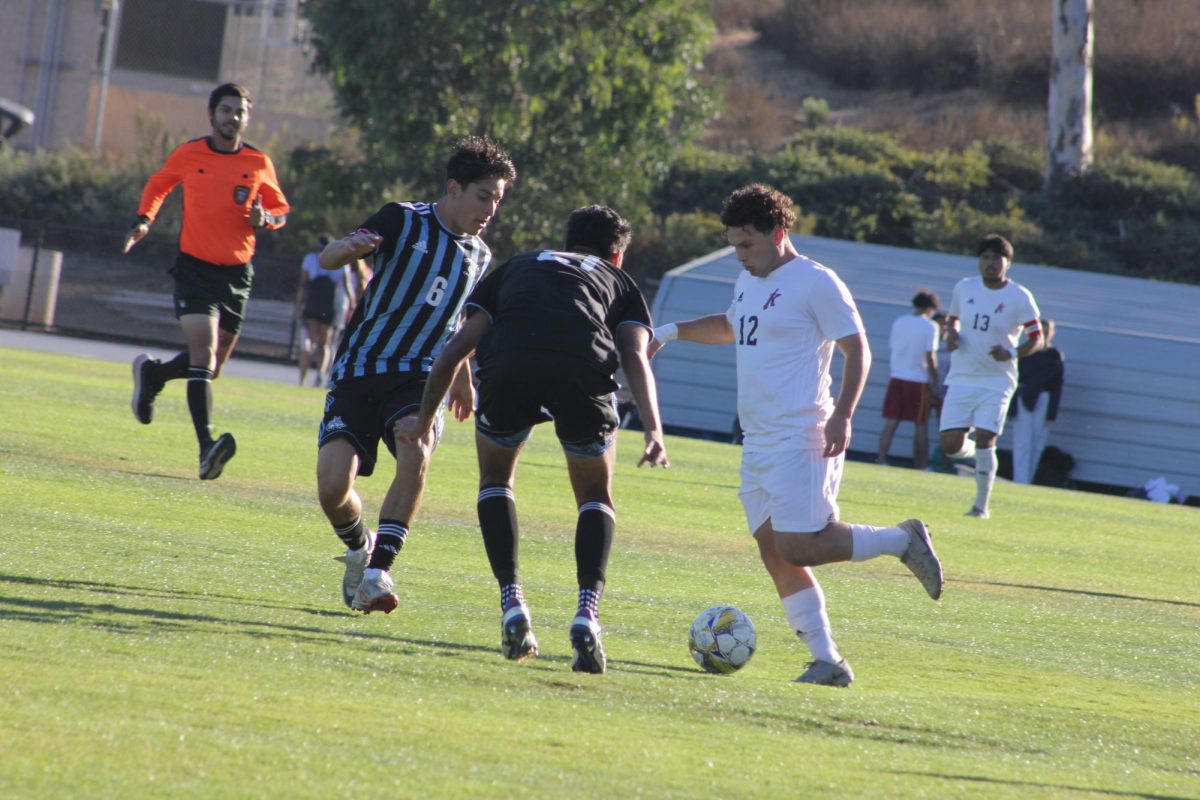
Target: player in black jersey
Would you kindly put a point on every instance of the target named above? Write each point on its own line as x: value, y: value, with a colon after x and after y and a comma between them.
x: 549, y: 329
x: 426, y: 259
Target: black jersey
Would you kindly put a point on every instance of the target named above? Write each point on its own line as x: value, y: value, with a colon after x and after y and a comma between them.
x: 411, y: 307
x: 558, y: 302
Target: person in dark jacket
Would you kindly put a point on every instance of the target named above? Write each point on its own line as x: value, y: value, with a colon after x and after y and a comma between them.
x: 1035, y: 405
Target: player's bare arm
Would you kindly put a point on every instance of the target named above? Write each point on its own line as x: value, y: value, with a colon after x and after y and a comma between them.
x: 952, y: 334
x: 462, y: 392
x: 712, y: 329
x: 445, y: 367
x: 856, y: 354
x: 632, y: 341
x: 339, y: 253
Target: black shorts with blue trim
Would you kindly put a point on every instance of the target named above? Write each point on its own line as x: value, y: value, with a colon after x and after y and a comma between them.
x: 520, y: 390
x: 363, y: 411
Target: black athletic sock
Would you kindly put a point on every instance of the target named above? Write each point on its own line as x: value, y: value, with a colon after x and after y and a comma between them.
x: 389, y: 539
x: 593, y: 541
x: 497, y: 508
x: 177, y: 367
x: 199, y: 399
x: 353, y: 534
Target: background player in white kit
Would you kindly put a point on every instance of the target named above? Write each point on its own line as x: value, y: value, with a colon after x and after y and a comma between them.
x: 787, y: 315
x: 914, y: 384
x: 989, y: 316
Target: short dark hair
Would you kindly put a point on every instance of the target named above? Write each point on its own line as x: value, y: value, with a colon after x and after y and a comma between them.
x: 759, y: 206
x: 597, y: 230
x: 324, y: 239
x: 925, y: 299
x: 478, y: 157
x: 228, y: 90
x: 995, y: 243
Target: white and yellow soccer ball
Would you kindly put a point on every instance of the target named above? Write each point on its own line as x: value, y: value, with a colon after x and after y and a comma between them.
x: 722, y: 640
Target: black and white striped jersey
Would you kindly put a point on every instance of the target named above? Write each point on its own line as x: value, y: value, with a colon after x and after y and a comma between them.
x: 411, y: 307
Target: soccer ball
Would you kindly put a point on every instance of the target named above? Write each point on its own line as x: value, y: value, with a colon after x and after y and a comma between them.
x: 722, y: 640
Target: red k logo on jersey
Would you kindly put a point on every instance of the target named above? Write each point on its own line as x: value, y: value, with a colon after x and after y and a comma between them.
x: 771, y: 300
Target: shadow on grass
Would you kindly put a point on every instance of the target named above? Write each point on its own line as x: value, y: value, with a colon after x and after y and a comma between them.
x: 1041, y: 786
x: 138, y: 620
x: 1086, y: 593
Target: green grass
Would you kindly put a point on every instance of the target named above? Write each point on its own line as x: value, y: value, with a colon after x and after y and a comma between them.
x: 166, y: 637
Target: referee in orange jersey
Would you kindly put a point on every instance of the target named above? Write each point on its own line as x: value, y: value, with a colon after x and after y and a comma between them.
x: 229, y: 190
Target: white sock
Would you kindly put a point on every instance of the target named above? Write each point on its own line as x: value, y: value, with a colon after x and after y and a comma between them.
x: 806, y: 614
x: 968, y: 450
x: 867, y: 541
x: 985, y: 476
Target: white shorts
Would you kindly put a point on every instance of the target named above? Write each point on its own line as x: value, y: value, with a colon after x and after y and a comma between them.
x: 796, y: 489
x: 974, y: 407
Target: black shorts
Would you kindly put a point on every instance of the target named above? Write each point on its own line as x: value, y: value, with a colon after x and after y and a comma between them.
x: 520, y: 390
x: 363, y: 411
x: 320, y: 299
x: 212, y: 290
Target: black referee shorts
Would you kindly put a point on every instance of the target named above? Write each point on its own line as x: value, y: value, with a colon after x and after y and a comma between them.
x: 520, y: 390
x: 212, y: 290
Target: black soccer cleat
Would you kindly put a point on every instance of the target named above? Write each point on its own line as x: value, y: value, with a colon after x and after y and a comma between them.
x: 585, y: 641
x: 214, y: 458
x: 145, y: 388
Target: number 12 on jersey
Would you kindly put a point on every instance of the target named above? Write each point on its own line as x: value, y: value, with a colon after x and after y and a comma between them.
x: 747, y: 328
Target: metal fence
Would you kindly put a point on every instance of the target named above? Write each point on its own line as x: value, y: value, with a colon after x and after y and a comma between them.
x: 74, y: 280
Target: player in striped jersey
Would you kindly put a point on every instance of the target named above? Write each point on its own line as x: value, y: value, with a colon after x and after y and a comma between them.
x: 426, y: 259
x: 990, y: 315
x: 230, y: 191
x: 551, y: 328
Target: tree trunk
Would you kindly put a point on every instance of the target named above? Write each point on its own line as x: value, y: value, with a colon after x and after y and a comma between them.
x: 1069, y: 110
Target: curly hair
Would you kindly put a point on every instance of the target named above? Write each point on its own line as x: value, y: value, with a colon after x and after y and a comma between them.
x: 758, y: 206
x: 476, y: 158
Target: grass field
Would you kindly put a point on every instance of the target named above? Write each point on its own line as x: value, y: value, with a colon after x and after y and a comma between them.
x: 166, y: 637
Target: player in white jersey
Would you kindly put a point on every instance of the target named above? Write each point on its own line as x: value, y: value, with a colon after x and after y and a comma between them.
x: 913, y: 385
x: 787, y: 317
x: 993, y: 321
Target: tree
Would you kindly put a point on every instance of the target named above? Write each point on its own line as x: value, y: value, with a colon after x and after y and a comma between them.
x: 1069, y: 112
x: 591, y: 99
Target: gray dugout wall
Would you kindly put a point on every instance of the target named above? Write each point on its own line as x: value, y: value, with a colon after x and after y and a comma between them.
x: 1131, y: 404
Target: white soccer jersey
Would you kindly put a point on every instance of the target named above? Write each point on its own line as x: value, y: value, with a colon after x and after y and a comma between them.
x: 988, y: 317
x: 784, y: 327
x: 913, y: 337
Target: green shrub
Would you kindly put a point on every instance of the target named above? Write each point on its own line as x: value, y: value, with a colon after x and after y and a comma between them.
x: 1128, y: 185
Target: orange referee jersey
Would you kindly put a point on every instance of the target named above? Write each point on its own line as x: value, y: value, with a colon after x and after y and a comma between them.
x: 218, y: 190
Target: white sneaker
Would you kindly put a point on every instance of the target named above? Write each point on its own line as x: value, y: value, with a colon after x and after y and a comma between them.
x: 978, y: 513
x: 375, y: 593
x: 356, y: 562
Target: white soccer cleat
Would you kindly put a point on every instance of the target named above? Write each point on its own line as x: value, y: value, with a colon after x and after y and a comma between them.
x: 356, y: 563
x: 824, y: 673
x: 375, y: 593
x: 920, y: 558
x: 978, y: 513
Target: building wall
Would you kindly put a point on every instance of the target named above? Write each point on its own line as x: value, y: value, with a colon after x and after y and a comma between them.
x: 51, y: 64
